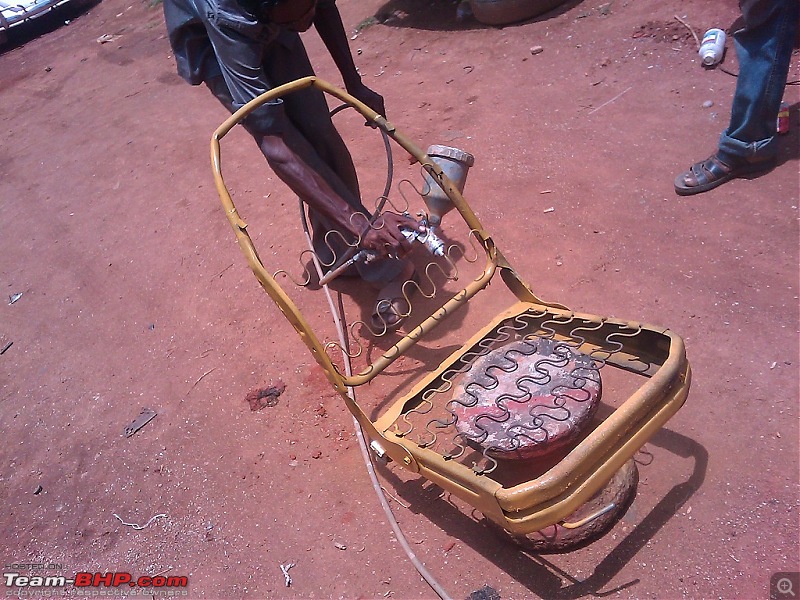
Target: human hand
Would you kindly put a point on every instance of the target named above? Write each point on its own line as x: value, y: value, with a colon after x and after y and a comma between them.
x: 385, y: 236
x: 372, y: 99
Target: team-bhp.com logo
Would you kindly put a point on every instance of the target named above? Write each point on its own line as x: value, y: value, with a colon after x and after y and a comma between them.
x: 89, y: 581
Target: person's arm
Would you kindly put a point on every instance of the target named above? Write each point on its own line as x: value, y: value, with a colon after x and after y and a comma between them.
x: 289, y: 154
x: 328, y: 23
x: 304, y: 177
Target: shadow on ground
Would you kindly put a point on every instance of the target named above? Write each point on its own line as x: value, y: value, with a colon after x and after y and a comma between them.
x: 541, y: 576
x: 444, y: 15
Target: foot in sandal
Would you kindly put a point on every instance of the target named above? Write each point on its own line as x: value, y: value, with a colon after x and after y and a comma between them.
x: 714, y: 171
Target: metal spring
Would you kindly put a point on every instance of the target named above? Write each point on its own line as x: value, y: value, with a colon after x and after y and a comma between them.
x: 545, y: 327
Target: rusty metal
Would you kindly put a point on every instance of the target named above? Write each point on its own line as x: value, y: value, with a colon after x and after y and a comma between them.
x: 418, y: 431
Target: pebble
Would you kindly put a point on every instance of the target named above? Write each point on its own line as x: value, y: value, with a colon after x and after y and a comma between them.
x: 708, y: 104
x: 537, y: 50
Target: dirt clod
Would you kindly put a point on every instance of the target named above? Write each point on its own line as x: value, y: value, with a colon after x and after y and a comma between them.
x: 265, y: 397
x: 664, y: 31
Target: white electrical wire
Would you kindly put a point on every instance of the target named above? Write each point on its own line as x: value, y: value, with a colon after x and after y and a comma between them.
x: 401, y: 538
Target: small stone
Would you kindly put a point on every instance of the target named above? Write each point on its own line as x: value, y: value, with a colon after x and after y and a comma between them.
x: 708, y: 104
x: 485, y: 593
x: 537, y: 50
x: 316, y: 454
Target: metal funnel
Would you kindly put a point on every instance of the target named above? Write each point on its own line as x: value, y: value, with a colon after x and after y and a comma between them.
x: 455, y: 163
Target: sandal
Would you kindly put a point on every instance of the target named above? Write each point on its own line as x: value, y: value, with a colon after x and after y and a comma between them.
x: 392, y: 307
x: 713, y: 172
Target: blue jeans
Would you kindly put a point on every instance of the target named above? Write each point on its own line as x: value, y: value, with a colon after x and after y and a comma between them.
x: 764, y: 50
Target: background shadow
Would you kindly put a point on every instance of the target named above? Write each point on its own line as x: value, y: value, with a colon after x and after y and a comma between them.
x: 445, y: 15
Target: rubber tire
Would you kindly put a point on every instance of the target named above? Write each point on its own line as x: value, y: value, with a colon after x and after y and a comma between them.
x: 503, y: 12
x: 621, y: 490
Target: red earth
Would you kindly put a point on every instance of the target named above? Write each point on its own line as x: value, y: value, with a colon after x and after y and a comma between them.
x: 134, y: 294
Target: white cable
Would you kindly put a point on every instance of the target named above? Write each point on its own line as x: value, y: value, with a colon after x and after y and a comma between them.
x: 401, y: 538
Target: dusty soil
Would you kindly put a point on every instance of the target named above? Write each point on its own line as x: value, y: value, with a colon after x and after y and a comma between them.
x: 135, y: 294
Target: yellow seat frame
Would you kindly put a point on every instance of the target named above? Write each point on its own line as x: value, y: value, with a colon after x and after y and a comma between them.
x: 551, y: 497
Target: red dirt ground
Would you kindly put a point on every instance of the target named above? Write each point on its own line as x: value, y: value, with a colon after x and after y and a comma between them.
x: 135, y: 294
